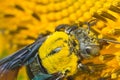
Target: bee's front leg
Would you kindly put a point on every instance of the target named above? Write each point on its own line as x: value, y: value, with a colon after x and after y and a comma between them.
x: 84, y: 68
x: 59, y: 75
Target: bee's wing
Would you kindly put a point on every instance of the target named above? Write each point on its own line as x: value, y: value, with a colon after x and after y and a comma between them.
x: 10, y: 65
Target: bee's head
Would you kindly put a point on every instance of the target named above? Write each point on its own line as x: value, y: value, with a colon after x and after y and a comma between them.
x: 88, y: 42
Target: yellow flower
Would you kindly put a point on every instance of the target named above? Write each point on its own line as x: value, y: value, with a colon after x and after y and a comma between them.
x: 23, y: 20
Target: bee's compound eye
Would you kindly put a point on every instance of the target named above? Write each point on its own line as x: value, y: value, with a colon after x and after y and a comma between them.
x: 88, y: 50
x: 93, y: 50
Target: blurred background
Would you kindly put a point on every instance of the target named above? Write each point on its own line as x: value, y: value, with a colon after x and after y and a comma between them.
x: 21, y: 22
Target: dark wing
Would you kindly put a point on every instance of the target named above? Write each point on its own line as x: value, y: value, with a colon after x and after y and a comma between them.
x: 10, y: 65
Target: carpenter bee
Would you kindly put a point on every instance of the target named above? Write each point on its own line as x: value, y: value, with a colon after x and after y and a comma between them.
x: 55, y: 56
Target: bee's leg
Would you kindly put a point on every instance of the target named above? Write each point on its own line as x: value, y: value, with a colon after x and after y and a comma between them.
x: 84, y: 68
x: 104, y: 42
x: 92, y: 22
x: 56, y: 76
x: 112, y: 41
x: 71, y: 28
x: 61, y: 27
x: 70, y: 78
x: 59, y: 75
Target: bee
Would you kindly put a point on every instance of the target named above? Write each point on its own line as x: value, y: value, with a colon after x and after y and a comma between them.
x: 57, y: 55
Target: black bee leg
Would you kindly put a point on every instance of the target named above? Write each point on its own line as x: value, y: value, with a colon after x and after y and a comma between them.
x: 91, y: 23
x: 84, y: 68
x: 61, y: 27
x: 71, y: 28
x: 105, y: 42
x: 70, y: 78
x: 59, y: 75
x: 112, y: 41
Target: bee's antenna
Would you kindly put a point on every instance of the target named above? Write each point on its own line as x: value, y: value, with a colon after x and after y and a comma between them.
x: 91, y: 23
x: 112, y: 41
